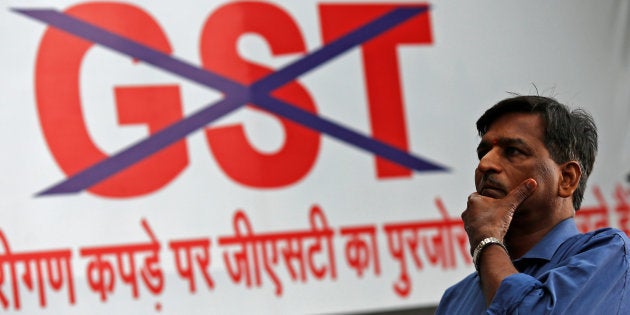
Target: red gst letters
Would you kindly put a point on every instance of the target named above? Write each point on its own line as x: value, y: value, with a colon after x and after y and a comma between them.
x: 59, y: 101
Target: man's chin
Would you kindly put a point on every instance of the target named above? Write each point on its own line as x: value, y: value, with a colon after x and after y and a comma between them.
x: 492, y: 193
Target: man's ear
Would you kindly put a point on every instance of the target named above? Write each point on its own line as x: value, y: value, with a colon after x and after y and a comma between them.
x: 570, y: 178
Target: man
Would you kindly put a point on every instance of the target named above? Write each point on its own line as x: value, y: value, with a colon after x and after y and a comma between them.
x: 534, y: 159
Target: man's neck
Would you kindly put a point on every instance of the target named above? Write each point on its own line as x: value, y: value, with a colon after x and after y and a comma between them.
x: 522, y: 237
x: 520, y: 243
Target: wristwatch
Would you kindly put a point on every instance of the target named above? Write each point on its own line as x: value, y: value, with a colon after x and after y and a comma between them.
x: 483, y: 244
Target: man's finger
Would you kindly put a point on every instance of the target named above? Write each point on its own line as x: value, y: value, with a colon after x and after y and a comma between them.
x: 522, y: 192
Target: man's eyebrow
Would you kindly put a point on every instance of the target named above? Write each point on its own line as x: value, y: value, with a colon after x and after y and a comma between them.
x: 483, y: 145
x: 512, y: 141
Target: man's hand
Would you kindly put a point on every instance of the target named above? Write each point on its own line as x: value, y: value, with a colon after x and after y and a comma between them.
x: 490, y: 217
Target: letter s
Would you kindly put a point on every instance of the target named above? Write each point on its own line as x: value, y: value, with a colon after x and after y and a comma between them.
x: 235, y: 155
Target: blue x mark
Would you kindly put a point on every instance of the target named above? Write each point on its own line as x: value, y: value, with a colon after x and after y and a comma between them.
x: 236, y: 95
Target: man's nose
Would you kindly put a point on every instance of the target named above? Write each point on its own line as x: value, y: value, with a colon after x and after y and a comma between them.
x: 490, y: 162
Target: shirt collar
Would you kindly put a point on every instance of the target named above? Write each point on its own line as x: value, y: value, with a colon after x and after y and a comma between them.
x: 550, y: 243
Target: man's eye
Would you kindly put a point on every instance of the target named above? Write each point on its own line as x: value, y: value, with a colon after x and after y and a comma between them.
x: 481, y: 153
x: 510, y: 151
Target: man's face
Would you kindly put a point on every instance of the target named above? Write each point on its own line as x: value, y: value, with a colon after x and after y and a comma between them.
x: 512, y: 151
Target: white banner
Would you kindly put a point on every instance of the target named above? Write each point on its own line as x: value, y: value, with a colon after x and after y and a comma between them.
x: 267, y: 157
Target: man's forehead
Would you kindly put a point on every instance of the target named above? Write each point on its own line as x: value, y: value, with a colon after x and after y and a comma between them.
x: 515, y: 128
x: 517, y: 125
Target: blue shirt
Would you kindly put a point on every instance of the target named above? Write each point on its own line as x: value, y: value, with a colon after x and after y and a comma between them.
x: 566, y: 273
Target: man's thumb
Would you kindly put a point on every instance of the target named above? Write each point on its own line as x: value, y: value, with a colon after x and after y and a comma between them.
x: 522, y: 192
